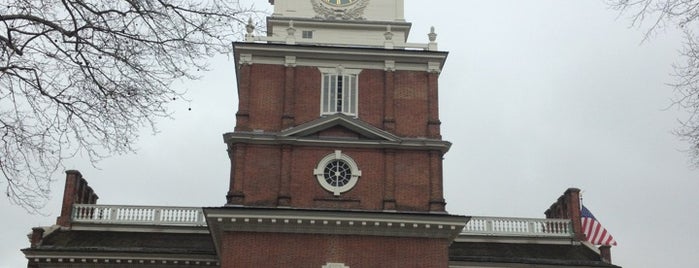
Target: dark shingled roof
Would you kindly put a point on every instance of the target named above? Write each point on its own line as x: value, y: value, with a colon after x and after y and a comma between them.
x: 542, y: 254
x: 146, y: 242
x: 201, y: 244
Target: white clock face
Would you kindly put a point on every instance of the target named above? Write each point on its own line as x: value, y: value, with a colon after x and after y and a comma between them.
x: 339, y: 2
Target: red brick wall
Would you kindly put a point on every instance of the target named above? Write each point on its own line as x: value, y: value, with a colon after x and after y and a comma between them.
x: 307, y: 100
x: 262, y: 178
x: 367, y: 193
x: 371, y: 97
x: 266, y: 98
x: 412, y: 184
x: 411, y: 111
x: 241, y: 249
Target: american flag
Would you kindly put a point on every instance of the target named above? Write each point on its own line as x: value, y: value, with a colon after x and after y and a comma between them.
x: 593, y: 230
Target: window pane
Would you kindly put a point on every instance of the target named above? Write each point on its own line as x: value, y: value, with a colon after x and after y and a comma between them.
x: 353, y: 91
x: 332, y: 100
x: 341, y: 91
x: 347, y: 94
x: 325, y: 104
x: 307, y: 34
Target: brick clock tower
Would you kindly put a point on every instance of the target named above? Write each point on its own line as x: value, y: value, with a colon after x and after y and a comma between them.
x: 336, y: 156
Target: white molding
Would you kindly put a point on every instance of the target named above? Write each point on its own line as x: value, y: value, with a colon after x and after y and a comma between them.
x: 348, y: 57
x: 390, y: 65
x: 275, y: 139
x: 306, y: 221
x: 246, y: 59
x: 434, y: 67
x: 353, y: 124
x: 339, y: 69
x: 310, y: 221
x: 290, y: 61
x: 335, y: 265
x: 355, y: 173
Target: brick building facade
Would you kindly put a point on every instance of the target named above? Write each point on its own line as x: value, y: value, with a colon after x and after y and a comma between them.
x: 336, y: 161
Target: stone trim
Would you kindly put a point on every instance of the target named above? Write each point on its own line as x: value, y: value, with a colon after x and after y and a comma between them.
x: 332, y: 56
x: 81, y: 258
x: 301, y: 221
x: 329, y: 121
x: 355, y: 173
x: 335, y: 265
x: 272, y: 139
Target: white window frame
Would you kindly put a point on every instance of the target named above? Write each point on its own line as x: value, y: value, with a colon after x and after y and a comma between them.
x: 342, y: 82
x: 320, y: 174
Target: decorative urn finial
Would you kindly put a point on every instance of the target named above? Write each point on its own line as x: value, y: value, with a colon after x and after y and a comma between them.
x: 432, y: 35
x: 250, y: 27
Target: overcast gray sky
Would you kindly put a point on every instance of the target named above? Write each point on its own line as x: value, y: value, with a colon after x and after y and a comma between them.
x: 537, y: 96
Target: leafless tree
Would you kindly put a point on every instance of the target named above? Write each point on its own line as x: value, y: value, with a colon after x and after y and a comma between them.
x: 684, y: 15
x: 84, y: 76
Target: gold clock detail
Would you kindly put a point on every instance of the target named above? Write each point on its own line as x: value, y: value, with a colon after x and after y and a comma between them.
x: 339, y: 3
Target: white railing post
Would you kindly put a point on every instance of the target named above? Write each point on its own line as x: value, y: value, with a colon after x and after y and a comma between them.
x: 113, y: 216
x: 157, y: 215
x: 200, y: 217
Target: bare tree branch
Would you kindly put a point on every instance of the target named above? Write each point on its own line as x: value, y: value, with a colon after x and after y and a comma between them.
x: 682, y: 14
x: 83, y: 77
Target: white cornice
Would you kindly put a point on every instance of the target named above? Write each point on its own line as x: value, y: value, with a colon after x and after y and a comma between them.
x: 386, y: 224
x: 331, y: 56
x: 276, y: 139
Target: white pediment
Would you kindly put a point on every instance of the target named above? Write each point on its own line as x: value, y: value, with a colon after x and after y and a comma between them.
x: 351, y: 124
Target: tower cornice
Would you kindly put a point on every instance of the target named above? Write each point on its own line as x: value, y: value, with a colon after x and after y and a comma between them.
x: 332, y: 56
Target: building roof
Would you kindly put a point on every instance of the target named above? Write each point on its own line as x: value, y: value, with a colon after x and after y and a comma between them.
x: 91, y: 248
x: 143, y: 242
x: 117, y: 243
x: 571, y: 255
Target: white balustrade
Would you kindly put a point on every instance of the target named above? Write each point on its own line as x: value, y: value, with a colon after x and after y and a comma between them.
x: 500, y: 226
x: 194, y: 216
x: 139, y: 215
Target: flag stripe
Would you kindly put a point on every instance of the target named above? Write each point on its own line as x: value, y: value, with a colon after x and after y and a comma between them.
x: 593, y: 230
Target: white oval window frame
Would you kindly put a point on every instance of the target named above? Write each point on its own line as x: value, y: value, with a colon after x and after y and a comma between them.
x: 320, y: 175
